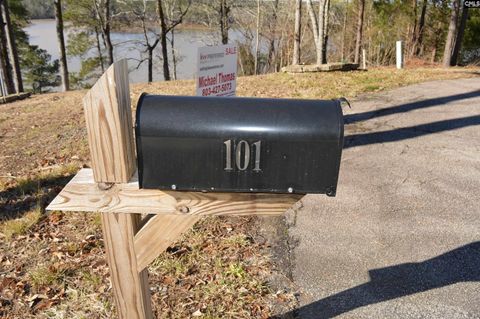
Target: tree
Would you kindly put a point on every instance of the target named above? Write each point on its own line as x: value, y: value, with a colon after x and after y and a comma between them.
x: 167, y: 25
x: 61, y: 43
x: 157, y: 20
x: 43, y: 11
x: 40, y: 73
x: 358, y: 42
x: 452, y: 33
x: 272, y: 36
x: 12, y: 46
x: 85, y: 35
x: 217, y: 14
x: 326, y: 16
x: 163, y: 40
x: 174, y: 54
x: 257, y: 39
x: 6, y: 71
x: 414, y: 29
x: 471, y: 41
x: 297, y: 32
x: 104, y: 16
x: 224, y: 13
x: 141, y: 10
x: 320, y: 28
x: 5, y: 63
x: 80, y: 45
x: 420, y: 30
x: 344, y: 30
x: 459, y: 37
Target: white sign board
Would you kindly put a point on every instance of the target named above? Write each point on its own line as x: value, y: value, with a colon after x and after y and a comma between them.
x: 217, y: 70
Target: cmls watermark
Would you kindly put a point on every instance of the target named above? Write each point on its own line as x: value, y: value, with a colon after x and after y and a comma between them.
x: 471, y: 3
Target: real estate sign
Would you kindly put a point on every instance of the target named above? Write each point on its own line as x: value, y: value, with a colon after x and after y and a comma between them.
x: 217, y: 70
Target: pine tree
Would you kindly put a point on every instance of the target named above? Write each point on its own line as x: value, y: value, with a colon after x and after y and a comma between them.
x: 61, y: 44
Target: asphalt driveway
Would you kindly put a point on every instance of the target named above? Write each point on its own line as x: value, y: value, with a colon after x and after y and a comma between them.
x: 402, y: 237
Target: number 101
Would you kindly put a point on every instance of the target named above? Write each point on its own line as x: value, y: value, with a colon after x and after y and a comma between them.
x: 242, y: 148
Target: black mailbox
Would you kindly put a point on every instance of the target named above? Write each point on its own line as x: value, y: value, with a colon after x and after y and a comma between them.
x: 225, y: 144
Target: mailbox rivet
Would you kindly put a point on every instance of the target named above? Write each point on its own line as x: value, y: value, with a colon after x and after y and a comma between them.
x: 183, y: 209
x: 290, y: 190
x: 174, y: 187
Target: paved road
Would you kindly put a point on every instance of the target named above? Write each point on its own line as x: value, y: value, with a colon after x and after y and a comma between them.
x: 402, y: 237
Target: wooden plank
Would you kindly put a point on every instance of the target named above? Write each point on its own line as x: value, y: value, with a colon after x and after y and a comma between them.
x: 157, y: 234
x: 83, y: 195
x: 130, y: 284
x: 108, y: 117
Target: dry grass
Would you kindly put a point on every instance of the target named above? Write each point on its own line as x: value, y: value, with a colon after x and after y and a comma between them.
x: 53, y: 266
x: 220, y: 271
x: 21, y: 225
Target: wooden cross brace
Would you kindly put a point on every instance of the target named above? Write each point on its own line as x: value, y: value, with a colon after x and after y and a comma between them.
x: 111, y: 188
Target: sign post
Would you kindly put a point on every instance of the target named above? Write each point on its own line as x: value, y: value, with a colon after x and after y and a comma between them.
x: 399, y: 55
x: 216, y: 70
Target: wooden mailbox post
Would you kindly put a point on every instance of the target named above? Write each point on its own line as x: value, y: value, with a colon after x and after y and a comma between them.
x: 132, y: 242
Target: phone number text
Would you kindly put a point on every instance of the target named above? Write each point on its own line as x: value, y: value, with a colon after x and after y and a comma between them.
x: 217, y: 89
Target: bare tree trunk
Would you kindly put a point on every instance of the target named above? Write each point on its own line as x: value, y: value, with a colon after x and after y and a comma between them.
x: 344, y: 31
x: 436, y: 40
x: 321, y: 31
x: 318, y: 27
x: 313, y: 20
x: 452, y: 33
x: 150, y: 64
x: 174, y: 56
x: 271, y: 49
x: 413, y: 42
x: 461, y: 31
x: 297, y: 32
x: 224, y: 13
x: 5, y: 60
x: 257, y: 39
x: 109, y: 47
x: 358, y: 42
x: 99, y: 50
x: 421, y: 27
x: 4, y: 65
x: 103, y: 15
x: 326, y: 13
x: 12, y: 47
x: 108, y: 40
x: 61, y: 43
x: 434, y: 53
x: 163, y: 41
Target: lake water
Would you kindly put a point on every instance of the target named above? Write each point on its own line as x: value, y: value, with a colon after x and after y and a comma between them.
x: 127, y: 45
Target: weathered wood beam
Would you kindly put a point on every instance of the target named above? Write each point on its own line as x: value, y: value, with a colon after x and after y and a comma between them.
x: 108, y: 117
x: 157, y: 234
x: 129, y: 281
x: 83, y: 194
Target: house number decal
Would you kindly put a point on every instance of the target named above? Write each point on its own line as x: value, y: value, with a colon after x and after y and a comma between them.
x: 241, y: 154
